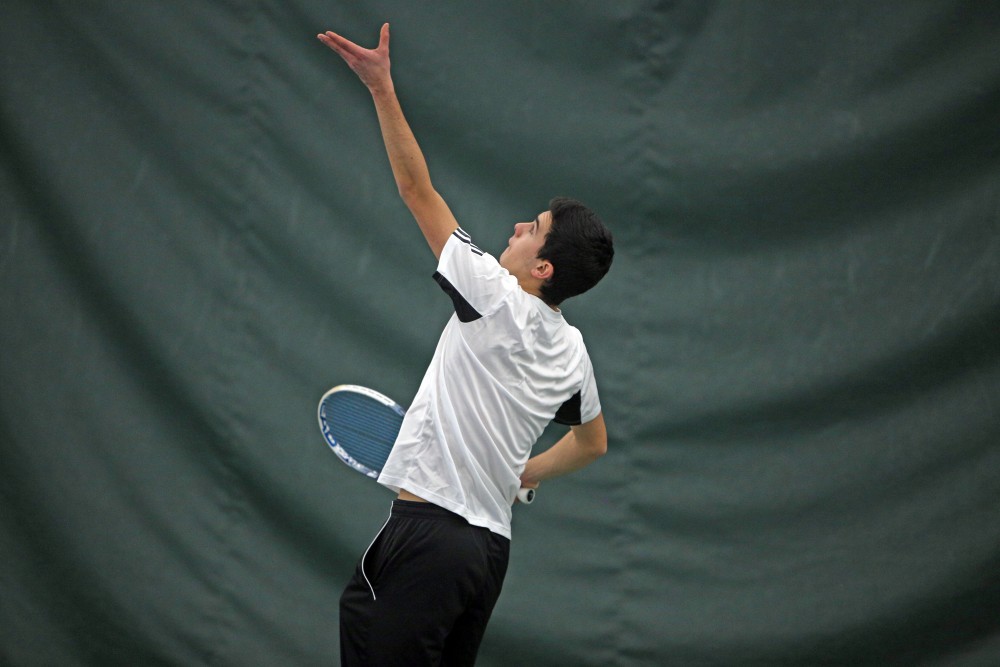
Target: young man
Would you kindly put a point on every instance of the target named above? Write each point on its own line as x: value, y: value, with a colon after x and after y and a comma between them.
x: 507, y: 364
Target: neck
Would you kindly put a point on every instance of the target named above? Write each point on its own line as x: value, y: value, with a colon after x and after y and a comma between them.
x: 533, y: 286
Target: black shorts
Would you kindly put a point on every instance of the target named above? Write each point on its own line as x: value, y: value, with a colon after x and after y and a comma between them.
x: 424, y: 590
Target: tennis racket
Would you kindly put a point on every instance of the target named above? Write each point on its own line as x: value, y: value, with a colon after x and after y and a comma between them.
x: 361, y: 426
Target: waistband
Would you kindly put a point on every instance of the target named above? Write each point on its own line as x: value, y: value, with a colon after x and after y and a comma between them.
x: 418, y: 510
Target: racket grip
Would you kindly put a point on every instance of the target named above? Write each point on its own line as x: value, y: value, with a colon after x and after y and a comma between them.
x: 526, y: 496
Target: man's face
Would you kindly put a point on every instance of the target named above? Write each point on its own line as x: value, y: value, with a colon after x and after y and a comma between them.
x: 521, y: 254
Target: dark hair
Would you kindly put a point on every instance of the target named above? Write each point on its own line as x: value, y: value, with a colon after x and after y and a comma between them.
x: 579, y: 247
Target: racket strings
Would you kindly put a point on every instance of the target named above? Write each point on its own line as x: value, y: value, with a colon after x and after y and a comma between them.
x: 363, y: 427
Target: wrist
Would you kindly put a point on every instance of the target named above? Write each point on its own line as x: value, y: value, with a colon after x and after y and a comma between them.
x: 531, y: 475
x: 382, y: 88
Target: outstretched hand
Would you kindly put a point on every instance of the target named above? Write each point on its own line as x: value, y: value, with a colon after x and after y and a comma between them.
x: 371, y: 65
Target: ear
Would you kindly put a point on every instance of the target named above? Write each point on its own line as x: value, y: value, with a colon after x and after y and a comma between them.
x: 543, y: 270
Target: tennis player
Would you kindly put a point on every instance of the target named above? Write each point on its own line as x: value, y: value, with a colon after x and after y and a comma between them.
x: 505, y: 366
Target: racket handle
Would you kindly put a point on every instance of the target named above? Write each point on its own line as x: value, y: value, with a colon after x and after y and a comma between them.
x: 526, y: 496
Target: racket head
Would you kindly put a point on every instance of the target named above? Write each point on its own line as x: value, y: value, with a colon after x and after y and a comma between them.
x: 360, y: 425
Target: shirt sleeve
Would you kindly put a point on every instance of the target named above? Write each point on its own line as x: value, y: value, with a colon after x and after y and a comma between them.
x: 473, y: 279
x: 590, y: 402
x: 585, y: 404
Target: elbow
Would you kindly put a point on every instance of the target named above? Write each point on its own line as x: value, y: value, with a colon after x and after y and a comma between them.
x: 601, y: 449
x: 406, y: 189
x: 413, y: 193
x: 597, y: 447
x: 592, y: 438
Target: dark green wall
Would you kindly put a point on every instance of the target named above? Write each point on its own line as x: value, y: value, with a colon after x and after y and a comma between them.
x: 798, y: 347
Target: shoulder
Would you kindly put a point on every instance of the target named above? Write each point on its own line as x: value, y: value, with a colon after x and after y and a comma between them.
x: 472, y: 278
x: 458, y: 246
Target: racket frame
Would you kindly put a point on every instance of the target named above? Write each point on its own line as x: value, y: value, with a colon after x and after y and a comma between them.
x: 332, y: 441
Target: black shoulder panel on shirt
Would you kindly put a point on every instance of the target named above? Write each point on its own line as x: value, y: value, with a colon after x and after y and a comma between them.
x: 569, y: 413
x: 464, y: 309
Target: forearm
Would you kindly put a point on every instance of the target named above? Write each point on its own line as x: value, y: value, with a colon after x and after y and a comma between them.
x: 568, y: 455
x: 409, y: 167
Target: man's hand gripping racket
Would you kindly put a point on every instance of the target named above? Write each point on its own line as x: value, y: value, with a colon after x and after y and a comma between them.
x: 361, y: 426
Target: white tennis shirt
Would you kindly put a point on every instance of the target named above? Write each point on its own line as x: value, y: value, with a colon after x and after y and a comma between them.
x: 505, y: 366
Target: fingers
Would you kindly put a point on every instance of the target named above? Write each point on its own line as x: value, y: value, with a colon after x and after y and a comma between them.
x: 338, y: 43
x: 383, y: 38
x: 342, y: 45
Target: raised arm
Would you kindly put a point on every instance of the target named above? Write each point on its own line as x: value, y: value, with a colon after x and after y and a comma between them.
x: 408, y: 165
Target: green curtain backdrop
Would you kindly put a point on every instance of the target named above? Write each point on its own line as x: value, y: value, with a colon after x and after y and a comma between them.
x: 798, y: 347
